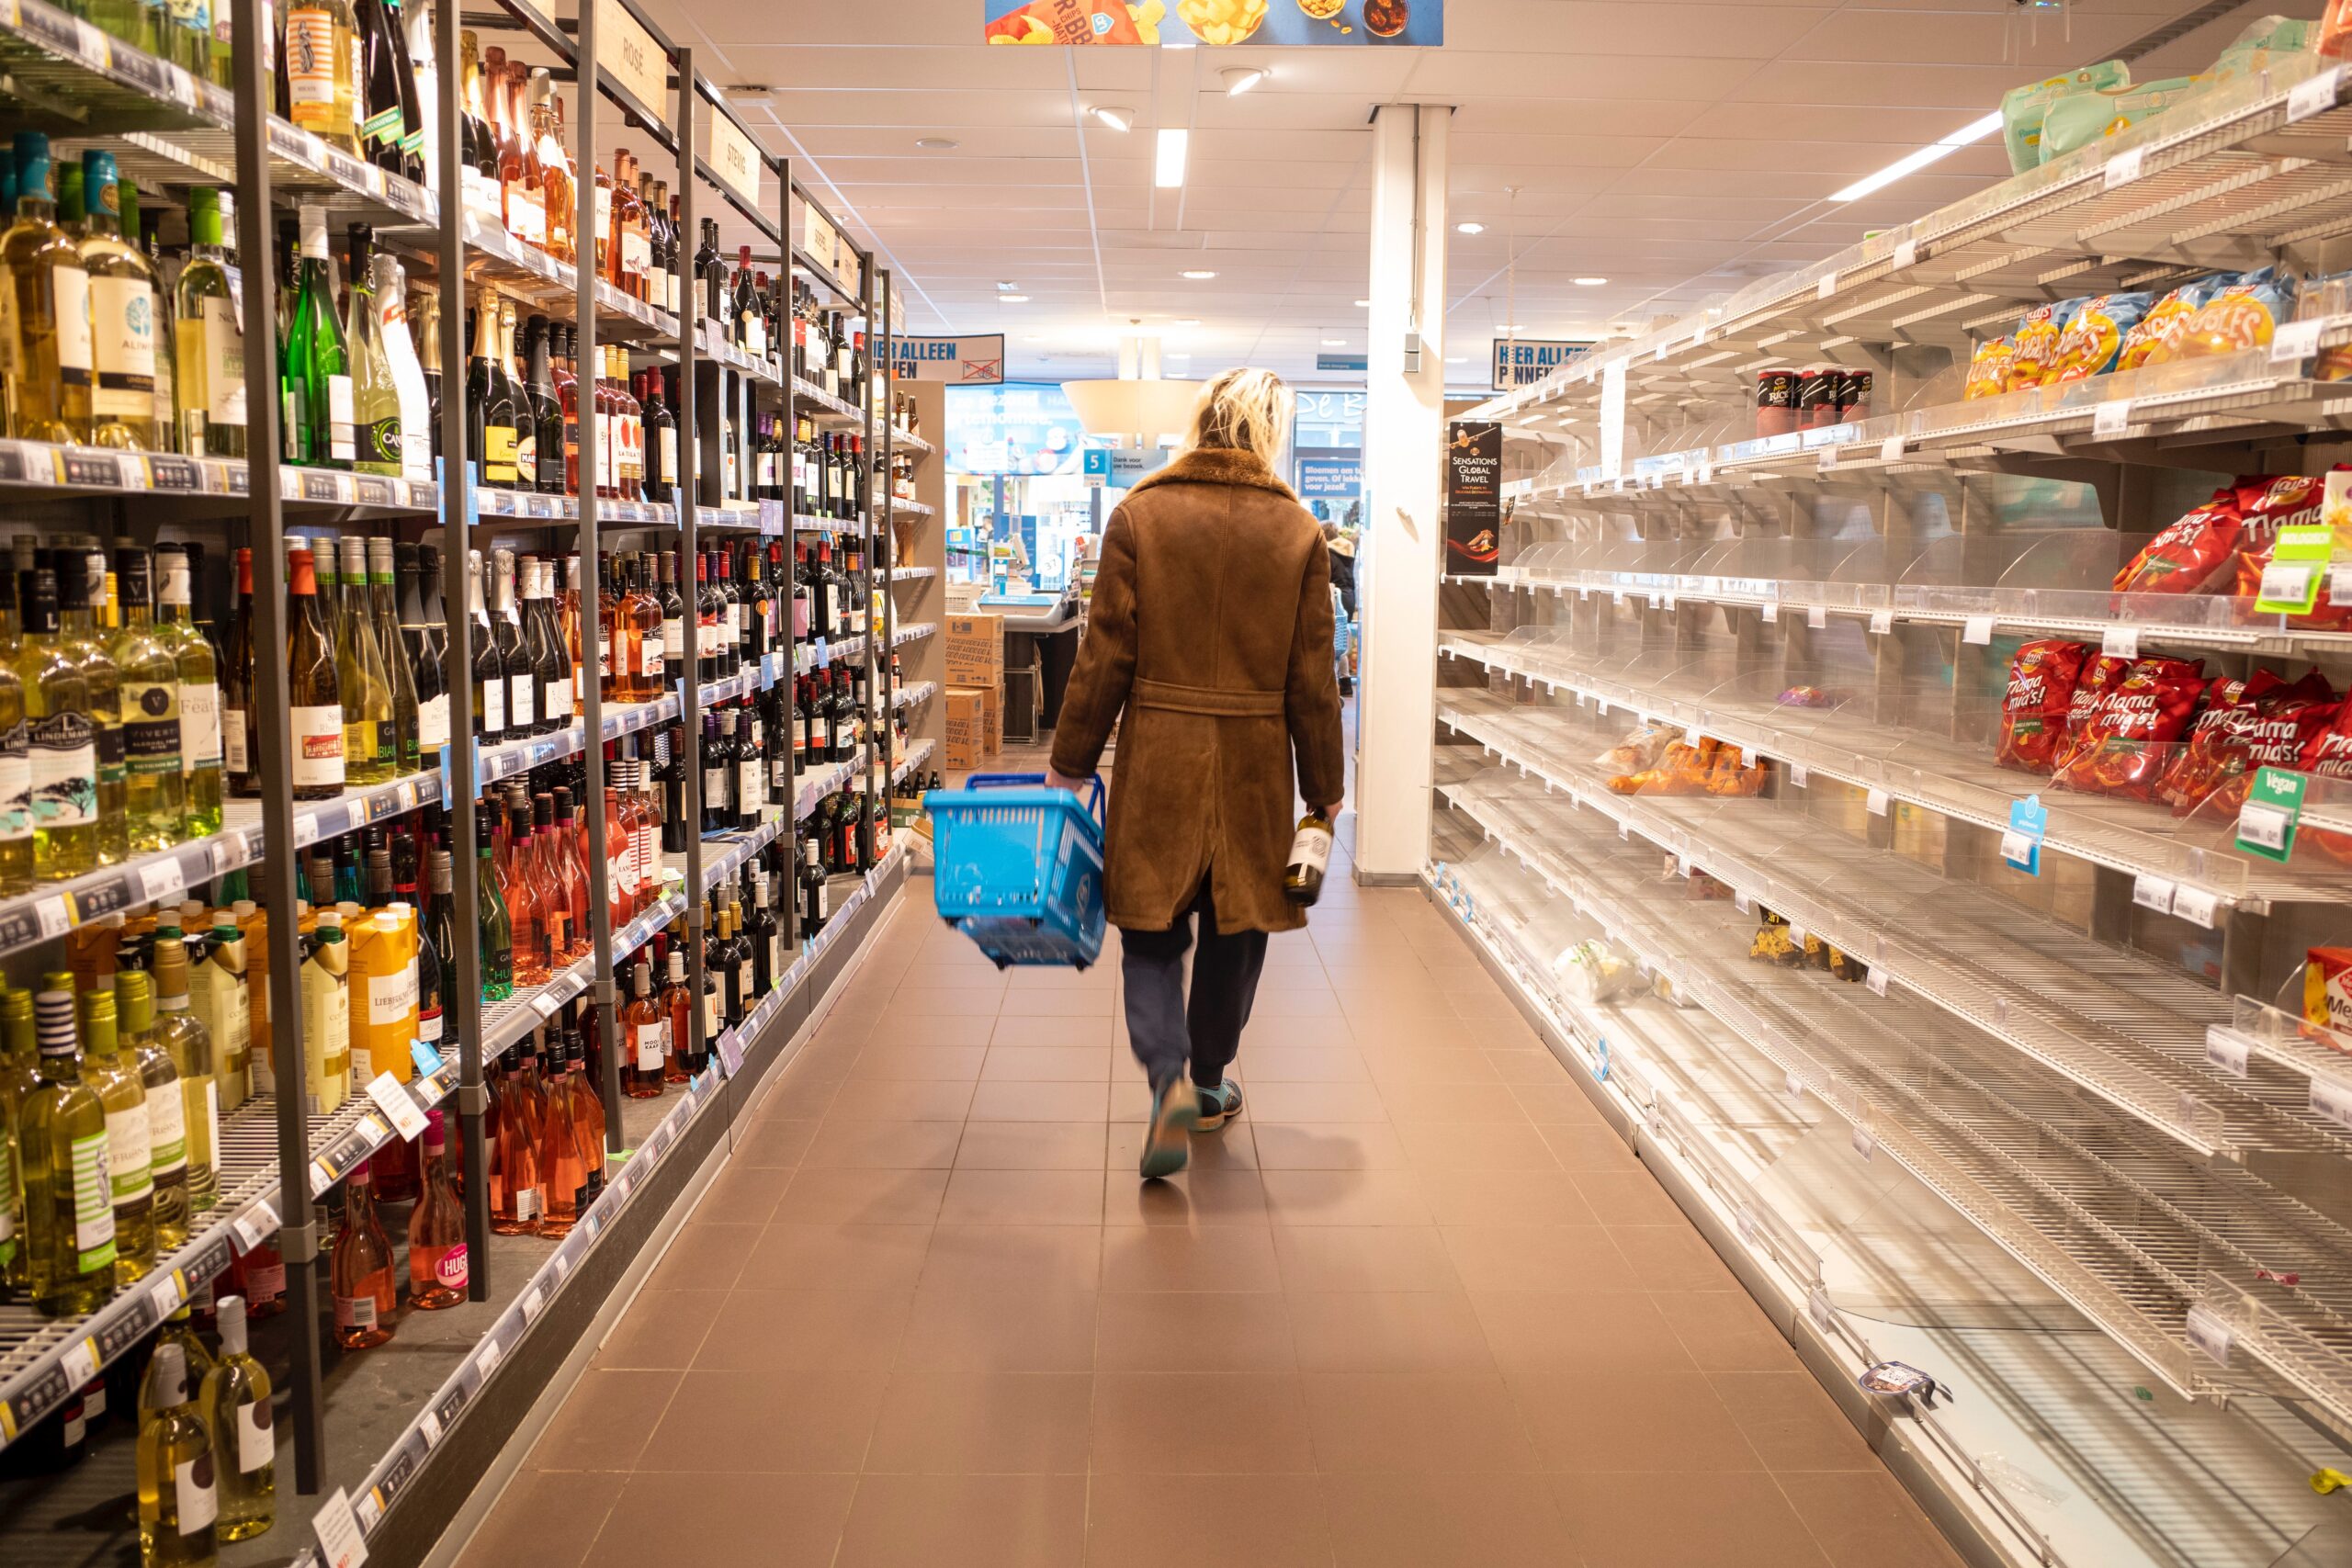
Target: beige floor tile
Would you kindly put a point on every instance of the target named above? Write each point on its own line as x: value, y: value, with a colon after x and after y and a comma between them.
x: 1481, y: 1104
x: 798, y: 1097
x: 1184, y: 1259
x: 775, y: 1141
x: 1539, y: 1331
x: 987, y: 1257
x: 1628, y: 1197
x: 895, y: 1099
x: 1528, y: 1065
x: 1090, y: 1003
x: 1865, y: 1520
x: 1388, y: 1331
x: 1130, y: 1101
x: 661, y: 1329
x: 551, y: 1516
x: 1330, y: 1145
x: 1028, y: 1330
x: 1413, y: 1006
x: 1264, y: 1521
x: 836, y: 1257
x: 1031, y: 1145
x: 1383, y: 1030
x: 1315, y: 1103
x: 1725, y: 1331
x: 1098, y: 977
x: 704, y: 1256
x: 1296, y: 1001
x: 779, y: 1521
x: 1346, y: 1198
x: 1416, y: 1421
x: 1171, y: 1331
x: 1024, y: 1198
x: 1568, y: 1259
x: 1018, y: 1030
x: 1655, y: 1421
x: 743, y: 1194
x: 1408, y: 1067
x: 1190, y: 1198
x: 1474, y: 1146
x: 1200, y: 1423
x: 938, y: 1063
x: 988, y: 1423
x: 1673, y: 1259
x: 1589, y: 1148
x: 1793, y: 1422
x: 1006, y: 1101
x: 858, y: 1143
x: 1301, y: 1033
x: 960, y: 1027
x: 1446, y: 1521
x: 606, y: 1421
x: 866, y: 1197
x: 1047, y: 1063
x: 767, y: 1422
x: 1363, y: 1258
x: 974, y: 1521
x: 947, y: 1001
x: 1303, y: 1063
x: 841, y: 1331
x: 1505, y: 1198
x: 1645, y: 1519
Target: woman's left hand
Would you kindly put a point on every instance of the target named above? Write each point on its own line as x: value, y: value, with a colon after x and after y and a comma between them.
x: 1063, y: 781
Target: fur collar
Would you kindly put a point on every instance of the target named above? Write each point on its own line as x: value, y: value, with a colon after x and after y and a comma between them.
x: 1215, y: 465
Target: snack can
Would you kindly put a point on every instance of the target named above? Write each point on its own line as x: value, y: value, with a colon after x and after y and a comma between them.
x: 1776, y: 401
x: 1853, y: 392
x: 1817, y: 396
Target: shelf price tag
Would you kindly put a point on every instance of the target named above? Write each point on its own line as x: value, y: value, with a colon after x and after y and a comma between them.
x: 1828, y: 460
x: 341, y: 1544
x: 1826, y: 287
x: 1875, y: 978
x: 2152, y: 893
x: 2332, y: 1099
x: 1976, y: 631
x: 1816, y: 616
x: 1865, y: 1141
x: 2266, y: 820
x: 2294, y: 342
x: 1882, y: 622
x: 730, y: 1050
x: 2120, y: 642
x: 2298, y: 567
x: 398, y: 1105
x: 2195, y: 904
x: 2210, y: 1335
x: 1817, y: 1307
x: 1875, y: 802
x: 1906, y: 254
x: 1891, y: 449
x: 2021, y: 845
x: 2226, y: 1049
x: 2314, y: 94
x: 2110, y: 419
x: 2123, y: 168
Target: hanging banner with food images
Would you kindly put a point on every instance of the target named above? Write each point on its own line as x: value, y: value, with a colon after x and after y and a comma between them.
x: 1473, y: 489
x: 1408, y: 24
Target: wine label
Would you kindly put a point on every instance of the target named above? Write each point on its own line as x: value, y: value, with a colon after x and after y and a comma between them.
x: 193, y: 1494
x: 232, y: 739
x: 527, y: 1204
x: 199, y: 725
x: 1311, y: 849
x: 93, y: 1203
x: 649, y: 1046
x: 256, y: 1445
x: 167, y: 1133
x: 15, y: 784
x: 265, y: 1281
x: 318, y: 746
x: 432, y: 723
x: 342, y: 444
x: 64, y: 756
x: 391, y: 997
x: 223, y: 348
x: 355, y: 1312
x: 130, y: 1177
x: 560, y: 698
x: 151, y: 728
x: 122, y: 338
x: 673, y: 639
x: 519, y: 705
x: 71, y: 284
x: 450, y: 1268
x: 310, y: 67
x: 490, y: 702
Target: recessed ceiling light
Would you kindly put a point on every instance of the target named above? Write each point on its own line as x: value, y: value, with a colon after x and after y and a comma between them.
x: 1168, y: 167
x: 1456, y: 359
x: 1240, y: 79
x: 1199, y: 276
x: 1363, y: 304
x: 1510, y: 327
x: 1185, y: 322
x: 1012, y: 298
x: 1974, y: 131
x: 1590, y: 282
x: 1335, y: 342
x: 1470, y: 228
x: 937, y: 144
x: 1118, y: 119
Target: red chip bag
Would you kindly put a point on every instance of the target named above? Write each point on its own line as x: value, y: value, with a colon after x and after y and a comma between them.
x: 2274, y: 732
x: 2194, y: 554
x: 2124, y: 743
x: 2329, y: 755
x: 2102, y: 675
x: 2034, y: 707
x: 2212, y: 753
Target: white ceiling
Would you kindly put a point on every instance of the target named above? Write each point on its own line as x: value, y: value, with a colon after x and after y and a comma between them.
x: 1678, y: 149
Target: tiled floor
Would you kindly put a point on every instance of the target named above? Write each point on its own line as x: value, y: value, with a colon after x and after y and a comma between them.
x: 1418, y: 1307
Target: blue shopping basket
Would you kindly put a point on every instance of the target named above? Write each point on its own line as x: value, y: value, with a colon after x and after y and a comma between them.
x: 1018, y: 867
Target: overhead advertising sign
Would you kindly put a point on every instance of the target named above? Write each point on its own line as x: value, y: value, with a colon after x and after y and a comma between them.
x: 1338, y: 24
x: 1026, y: 429
x: 955, y: 361
x: 1330, y: 479
x: 1474, y: 493
x: 732, y: 158
x: 1525, y: 362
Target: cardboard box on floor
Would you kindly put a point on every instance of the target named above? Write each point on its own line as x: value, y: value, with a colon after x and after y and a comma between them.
x: 974, y: 649
x: 967, y: 736
x: 988, y: 725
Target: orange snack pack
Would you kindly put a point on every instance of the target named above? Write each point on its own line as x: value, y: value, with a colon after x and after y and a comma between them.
x: 2034, y: 705
x: 2157, y: 336
x: 2093, y: 339
x: 2124, y: 743
x: 2035, y: 358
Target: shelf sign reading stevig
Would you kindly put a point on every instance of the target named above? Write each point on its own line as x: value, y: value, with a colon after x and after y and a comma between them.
x: 1338, y: 24
x: 977, y: 361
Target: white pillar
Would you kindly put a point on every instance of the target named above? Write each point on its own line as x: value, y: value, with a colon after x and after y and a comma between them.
x: 1402, y: 547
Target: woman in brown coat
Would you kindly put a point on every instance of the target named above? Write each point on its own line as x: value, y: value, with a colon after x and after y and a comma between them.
x: 1209, y: 644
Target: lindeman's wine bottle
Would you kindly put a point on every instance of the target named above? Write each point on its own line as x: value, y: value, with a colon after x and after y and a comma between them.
x: 1310, y: 857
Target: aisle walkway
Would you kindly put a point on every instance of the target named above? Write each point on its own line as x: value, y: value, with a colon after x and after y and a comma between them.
x: 1418, y: 1307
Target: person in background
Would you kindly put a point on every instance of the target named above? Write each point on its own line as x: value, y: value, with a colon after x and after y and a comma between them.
x: 1209, y: 644
x: 1342, y: 546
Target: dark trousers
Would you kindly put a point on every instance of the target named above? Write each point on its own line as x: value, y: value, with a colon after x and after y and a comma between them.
x: 1165, y: 1029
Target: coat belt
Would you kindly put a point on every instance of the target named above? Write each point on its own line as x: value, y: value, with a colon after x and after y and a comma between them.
x: 1213, y: 700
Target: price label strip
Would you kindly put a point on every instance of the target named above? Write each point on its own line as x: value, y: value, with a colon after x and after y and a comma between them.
x: 2267, y: 822
x: 2298, y: 570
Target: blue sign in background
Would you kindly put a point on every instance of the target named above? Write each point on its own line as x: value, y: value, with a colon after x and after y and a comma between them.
x: 1021, y: 428
x: 1330, y: 479
x: 1285, y: 25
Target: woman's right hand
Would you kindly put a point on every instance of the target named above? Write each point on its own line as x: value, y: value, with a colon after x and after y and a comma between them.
x: 1063, y: 781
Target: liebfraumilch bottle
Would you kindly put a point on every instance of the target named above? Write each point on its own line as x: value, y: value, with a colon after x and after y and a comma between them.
x: 177, y: 1501
x: 61, y: 736
x: 236, y: 1409
x: 210, y: 349
x: 63, y: 1156
x: 80, y: 578
x: 115, y: 1077
x: 183, y: 1034
x: 166, y: 1106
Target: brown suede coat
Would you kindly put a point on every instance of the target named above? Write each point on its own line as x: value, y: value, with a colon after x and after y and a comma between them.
x: 1211, y: 631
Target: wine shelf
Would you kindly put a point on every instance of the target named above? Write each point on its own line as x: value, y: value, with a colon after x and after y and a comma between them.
x: 899, y: 574
x: 915, y: 633
x: 917, y: 755
x: 906, y: 503
x: 909, y: 440
x: 515, y: 757
x: 31, y: 468
x: 826, y: 408
x: 907, y: 696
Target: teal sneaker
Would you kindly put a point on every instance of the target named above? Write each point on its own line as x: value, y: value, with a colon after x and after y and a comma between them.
x: 1218, y: 1105
x: 1167, y: 1143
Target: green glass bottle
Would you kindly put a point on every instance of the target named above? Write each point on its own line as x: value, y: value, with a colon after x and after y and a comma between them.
x: 61, y: 733
x: 114, y: 1075
x: 81, y: 582
x: 134, y: 1000
x: 178, y: 1498
x: 376, y: 401
x: 123, y: 319
x: 315, y: 374
x: 69, y: 1200
x: 210, y: 338
x: 200, y: 684
x: 497, y: 927
x: 132, y: 21
x: 156, y: 786
x: 370, y: 736
x: 179, y: 1330
x: 236, y: 1408
x: 386, y: 620
x: 45, y: 311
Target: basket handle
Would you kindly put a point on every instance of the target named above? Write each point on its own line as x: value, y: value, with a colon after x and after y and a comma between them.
x: 1093, y: 792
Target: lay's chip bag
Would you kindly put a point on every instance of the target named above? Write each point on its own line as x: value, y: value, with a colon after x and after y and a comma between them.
x: 1988, y: 369
x: 2240, y: 314
x: 2034, y: 358
x: 2093, y: 338
x: 2156, y: 338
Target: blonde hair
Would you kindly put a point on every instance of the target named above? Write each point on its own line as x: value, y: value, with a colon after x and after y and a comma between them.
x: 1247, y: 409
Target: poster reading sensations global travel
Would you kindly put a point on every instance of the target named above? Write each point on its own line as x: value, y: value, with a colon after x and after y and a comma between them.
x: 1410, y: 24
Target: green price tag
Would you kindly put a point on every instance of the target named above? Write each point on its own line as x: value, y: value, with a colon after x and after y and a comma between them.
x: 2298, y: 570
x: 2266, y: 820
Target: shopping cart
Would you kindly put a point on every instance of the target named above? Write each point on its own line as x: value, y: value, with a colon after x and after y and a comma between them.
x: 1018, y: 867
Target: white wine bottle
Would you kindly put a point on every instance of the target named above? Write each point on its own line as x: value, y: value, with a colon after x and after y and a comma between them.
x: 237, y: 1416
x: 177, y: 1503
x: 1310, y: 857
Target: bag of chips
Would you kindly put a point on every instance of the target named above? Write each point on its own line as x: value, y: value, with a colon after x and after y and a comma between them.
x: 2329, y: 756
x: 2126, y: 739
x: 2093, y: 335
x: 2157, y: 337
x: 2196, y: 553
x: 2239, y: 315
x: 1728, y: 776
x: 2033, y: 707
x: 2033, y: 357
x: 1638, y: 749
x: 2274, y: 733
x: 2024, y: 109
x: 2099, y: 678
x: 2211, y: 754
x: 2268, y: 504
x: 1988, y: 369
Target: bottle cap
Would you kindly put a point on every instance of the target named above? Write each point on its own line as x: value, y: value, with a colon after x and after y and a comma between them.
x: 229, y: 1317
x: 315, y: 233
x: 166, y: 1380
